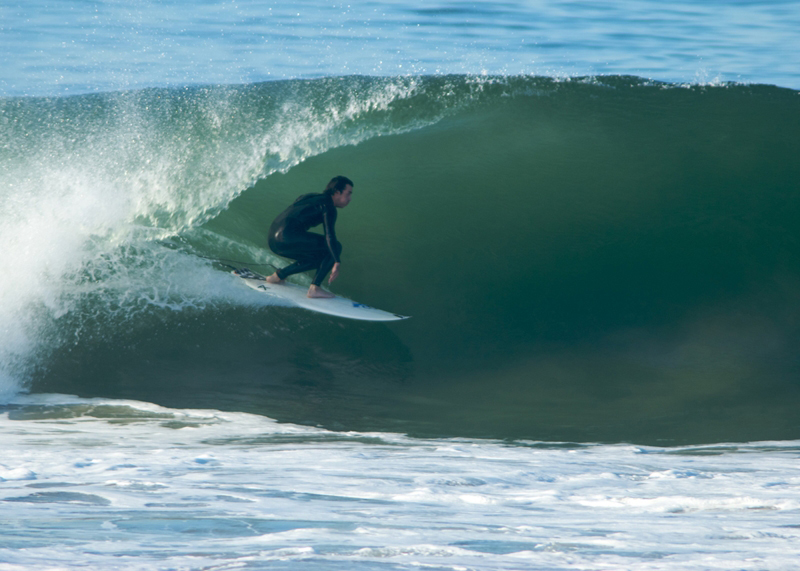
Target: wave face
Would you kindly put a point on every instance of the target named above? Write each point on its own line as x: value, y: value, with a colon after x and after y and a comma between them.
x: 599, y: 259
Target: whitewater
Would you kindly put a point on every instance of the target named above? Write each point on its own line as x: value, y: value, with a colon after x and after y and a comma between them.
x: 127, y: 485
x: 590, y: 210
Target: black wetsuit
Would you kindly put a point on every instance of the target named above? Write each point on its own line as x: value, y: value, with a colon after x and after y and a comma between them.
x: 289, y: 236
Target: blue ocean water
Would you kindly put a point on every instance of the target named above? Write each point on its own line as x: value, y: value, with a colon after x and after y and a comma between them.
x: 73, y: 47
x: 590, y: 210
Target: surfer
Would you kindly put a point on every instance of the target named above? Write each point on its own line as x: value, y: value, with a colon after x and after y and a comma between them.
x: 289, y: 236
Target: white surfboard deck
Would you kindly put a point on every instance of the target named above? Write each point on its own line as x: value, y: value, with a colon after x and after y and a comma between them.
x: 338, y: 306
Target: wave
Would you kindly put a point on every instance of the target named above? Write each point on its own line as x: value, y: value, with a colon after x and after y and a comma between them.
x: 602, y: 258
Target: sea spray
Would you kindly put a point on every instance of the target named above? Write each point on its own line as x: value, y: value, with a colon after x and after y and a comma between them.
x: 95, y: 186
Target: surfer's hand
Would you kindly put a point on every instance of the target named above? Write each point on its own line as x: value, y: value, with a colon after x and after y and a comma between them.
x: 334, y: 273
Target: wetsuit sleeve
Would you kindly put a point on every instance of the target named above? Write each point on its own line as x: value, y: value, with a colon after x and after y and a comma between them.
x: 329, y: 223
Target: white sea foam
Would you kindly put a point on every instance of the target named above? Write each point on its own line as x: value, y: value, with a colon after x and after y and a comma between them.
x: 121, y: 484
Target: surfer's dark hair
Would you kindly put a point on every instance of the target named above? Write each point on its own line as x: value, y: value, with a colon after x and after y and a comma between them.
x: 337, y: 184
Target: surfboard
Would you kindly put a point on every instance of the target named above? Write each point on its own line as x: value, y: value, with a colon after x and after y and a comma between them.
x: 338, y: 306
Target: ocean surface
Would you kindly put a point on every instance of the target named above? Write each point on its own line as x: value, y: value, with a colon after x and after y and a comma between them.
x: 590, y: 210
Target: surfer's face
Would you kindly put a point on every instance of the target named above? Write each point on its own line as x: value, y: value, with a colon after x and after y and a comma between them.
x: 342, y: 199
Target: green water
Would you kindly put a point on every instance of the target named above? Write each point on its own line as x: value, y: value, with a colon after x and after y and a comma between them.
x: 604, y: 260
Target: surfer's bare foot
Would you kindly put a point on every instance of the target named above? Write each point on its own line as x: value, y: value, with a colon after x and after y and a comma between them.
x: 316, y: 291
x: 274, y: 279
